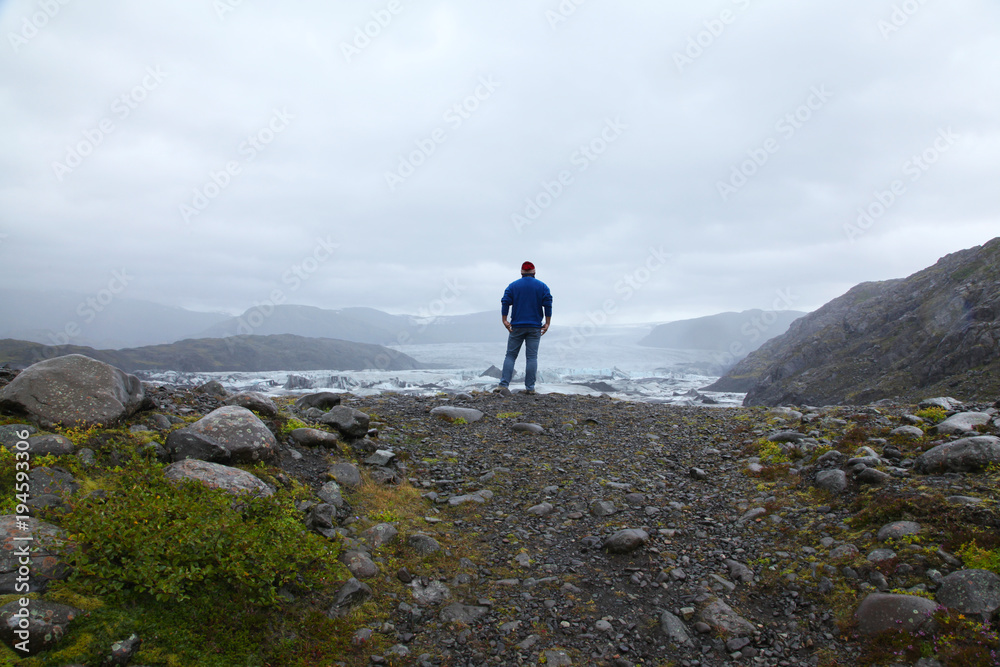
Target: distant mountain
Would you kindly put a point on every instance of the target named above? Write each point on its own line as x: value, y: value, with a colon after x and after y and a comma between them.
x: 362, y: 325
x: 935, y: 332
x: 244, y: 353
x: 731, y: 334
x: 102, y: 320
x: 111, y: 321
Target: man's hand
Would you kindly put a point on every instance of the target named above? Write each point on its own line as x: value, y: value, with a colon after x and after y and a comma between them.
x: 545, y: 327
x: 506, y: 324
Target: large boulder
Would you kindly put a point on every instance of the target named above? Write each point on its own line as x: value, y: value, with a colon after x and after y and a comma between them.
x: 45, y: 543
x: 74, y: 391
x: 216, y: 476
x: 971, y: 592
x: 350, y: 422
x: 230, y: 434
x: 973, y: 454
x: 323, y: 400
x: 451, y: 413
x: 888, y: 611
x: 35, y: 627
x: 313, y: 437
x: 252, y: 400
x: 962, y: 423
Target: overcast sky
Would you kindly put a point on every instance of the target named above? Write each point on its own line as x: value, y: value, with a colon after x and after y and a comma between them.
x: 655, y: 160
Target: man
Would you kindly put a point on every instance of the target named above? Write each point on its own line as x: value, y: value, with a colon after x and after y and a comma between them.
x: 528, y: 299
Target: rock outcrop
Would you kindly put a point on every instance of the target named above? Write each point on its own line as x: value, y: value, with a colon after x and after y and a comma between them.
x: 937, y: 329
x: 228, y: 434
x: 73, y: 391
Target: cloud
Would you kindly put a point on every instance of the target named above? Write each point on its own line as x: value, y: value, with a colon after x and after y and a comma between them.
x: 478, y: 110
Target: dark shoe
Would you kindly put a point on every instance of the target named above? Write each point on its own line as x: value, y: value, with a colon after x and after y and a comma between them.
x: 529, y: 392
x: 502, y: 390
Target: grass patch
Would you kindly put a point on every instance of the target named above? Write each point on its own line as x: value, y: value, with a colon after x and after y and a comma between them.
x: 176, y: 542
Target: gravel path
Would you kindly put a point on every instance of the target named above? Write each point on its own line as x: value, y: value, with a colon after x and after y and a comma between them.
x: 544, y: 585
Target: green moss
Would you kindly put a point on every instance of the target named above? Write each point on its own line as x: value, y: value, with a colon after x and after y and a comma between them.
x: 179, y: 541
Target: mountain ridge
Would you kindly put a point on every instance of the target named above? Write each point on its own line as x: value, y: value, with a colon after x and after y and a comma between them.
x: 935, y: 330
x: 282, y: 352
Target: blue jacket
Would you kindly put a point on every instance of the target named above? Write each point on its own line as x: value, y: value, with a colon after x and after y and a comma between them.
x: 530, y: 299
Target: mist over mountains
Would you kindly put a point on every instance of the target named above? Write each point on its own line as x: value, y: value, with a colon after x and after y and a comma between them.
x: 102, y: 320
x: 110, y: 322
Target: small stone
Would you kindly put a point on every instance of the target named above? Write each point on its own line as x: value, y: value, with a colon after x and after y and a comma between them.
x: 908, y: 432
x: 352, y: 593
x: 379, y: 534
x: 600, y: 508
x: 433, y: 593
x: 872, y: 477
x: 898, y: 530
x: 834, y: 481
x: 720, y: 615
x: 844, y: 551
x: 330, y: 493
x: 345, y: 474
x: 424, y: 545
x: 626, y: 541
x: 542, y: 509
x: 360, y: 564
x: 881, y: 555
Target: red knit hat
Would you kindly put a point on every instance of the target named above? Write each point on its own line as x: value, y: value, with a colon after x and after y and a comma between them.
x: 527, y: 267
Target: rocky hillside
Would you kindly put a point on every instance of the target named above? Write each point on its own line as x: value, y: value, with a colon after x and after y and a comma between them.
x: 242, y: 353
x: 937, y: 331
x: 482, y: 529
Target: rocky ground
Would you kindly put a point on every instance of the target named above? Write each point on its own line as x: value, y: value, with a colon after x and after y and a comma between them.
x: 564, y: 530
x: 726, y: 560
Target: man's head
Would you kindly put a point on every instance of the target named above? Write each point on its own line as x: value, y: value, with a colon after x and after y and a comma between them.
x: 527, y: 269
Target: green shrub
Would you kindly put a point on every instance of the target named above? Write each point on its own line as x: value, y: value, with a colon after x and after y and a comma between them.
x: 178, y: 541
x: 290, y: 425
x: 976, y: 558
x: 771, y: 453
x: 932, y: 415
